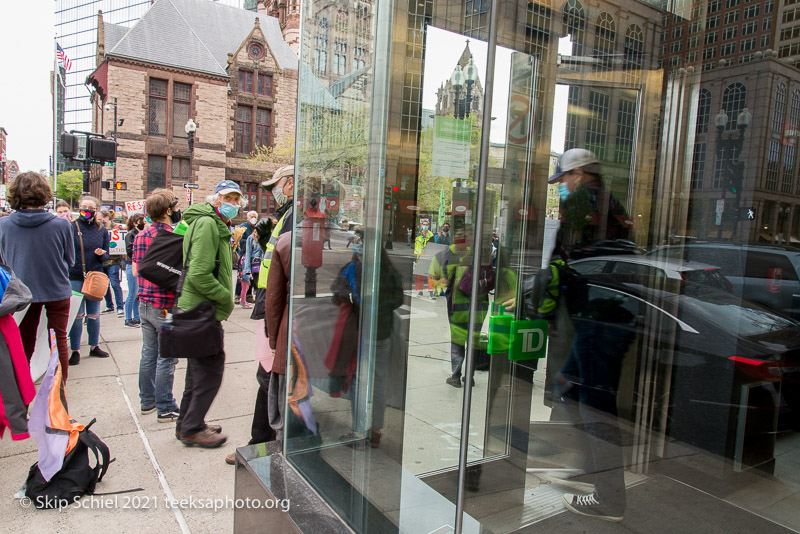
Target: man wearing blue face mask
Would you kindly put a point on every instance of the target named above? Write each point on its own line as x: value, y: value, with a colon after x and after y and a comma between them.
x: 588, y: 211
x: 208, y: 255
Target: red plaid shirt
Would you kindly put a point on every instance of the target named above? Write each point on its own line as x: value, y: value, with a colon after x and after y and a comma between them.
x: 148, y: 291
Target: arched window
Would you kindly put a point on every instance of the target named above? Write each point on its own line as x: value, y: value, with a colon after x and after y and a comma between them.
x: 794, y: 111
x: 779, y: 111
x: 605, y: 37
x: 703, y: 111
x: 575, y: 25
x: 734, y: 100
x: 634, y: 47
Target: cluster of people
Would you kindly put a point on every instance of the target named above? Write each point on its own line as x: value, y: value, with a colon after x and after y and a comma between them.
x: 52, y: 254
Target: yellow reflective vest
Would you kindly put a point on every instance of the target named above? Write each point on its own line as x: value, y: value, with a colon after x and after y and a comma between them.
x: 266, y: 259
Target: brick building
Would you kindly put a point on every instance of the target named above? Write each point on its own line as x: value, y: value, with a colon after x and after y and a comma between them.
x: 228, y: 69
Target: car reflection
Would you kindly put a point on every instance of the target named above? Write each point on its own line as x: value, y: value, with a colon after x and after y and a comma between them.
x: 732, y: 366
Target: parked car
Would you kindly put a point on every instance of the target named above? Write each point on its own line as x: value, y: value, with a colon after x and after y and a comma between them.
x: 659, y: 267
x: 605, y: 247
x: 766, y: 274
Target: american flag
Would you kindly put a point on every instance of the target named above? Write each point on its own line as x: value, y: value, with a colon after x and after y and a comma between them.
x: 62, y: 56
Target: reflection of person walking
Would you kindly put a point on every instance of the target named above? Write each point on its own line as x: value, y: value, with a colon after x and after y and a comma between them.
x: 591, y: 372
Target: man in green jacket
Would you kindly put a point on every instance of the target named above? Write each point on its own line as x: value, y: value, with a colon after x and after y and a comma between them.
x: 209, y: 279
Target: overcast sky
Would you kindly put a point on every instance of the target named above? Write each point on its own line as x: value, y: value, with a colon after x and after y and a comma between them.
x: 27, y: 28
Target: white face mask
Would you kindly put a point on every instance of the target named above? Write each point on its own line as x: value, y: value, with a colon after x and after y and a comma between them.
x: 253, y: 221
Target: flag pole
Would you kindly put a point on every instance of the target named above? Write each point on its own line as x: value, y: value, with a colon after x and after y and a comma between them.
x: 55, y: 123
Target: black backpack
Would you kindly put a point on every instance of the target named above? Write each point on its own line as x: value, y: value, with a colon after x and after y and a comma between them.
x: 573, y: 287
x: 163, y: 261
x: 76, y: 477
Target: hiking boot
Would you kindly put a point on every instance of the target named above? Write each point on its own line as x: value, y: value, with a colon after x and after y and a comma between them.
x: 454, y: 381
x: 98, y: 353
x: 214, y: 428
x: 168, y: 417
x: 206, y: 438
x: 251, y: 299
x: 75, y: 358
x: 589, y: 506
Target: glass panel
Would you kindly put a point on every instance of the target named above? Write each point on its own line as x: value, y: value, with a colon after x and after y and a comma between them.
x: 181, y: 108
x: 158, y: 107
x: 156, y: 172
x: 657, y: 377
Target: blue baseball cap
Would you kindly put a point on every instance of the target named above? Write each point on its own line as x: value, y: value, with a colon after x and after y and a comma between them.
x: 227, y: 186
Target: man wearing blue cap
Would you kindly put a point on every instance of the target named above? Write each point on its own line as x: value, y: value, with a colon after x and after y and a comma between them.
x: 208, y: 279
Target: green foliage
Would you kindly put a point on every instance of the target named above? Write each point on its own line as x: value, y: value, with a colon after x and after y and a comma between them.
x: 279, y: 154
x: 70, y: 187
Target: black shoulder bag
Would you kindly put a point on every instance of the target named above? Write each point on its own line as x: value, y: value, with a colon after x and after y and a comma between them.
x: 194, y: 333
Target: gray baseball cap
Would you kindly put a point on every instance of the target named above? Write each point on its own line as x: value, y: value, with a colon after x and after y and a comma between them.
x: 575, y: 158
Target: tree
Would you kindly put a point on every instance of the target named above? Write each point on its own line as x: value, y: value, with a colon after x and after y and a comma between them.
x: 70, y: 186
x: 279, y: 154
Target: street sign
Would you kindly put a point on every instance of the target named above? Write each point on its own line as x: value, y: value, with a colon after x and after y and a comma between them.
x: 719, y: 211
x: 191, y: 186
x: 108, y: 164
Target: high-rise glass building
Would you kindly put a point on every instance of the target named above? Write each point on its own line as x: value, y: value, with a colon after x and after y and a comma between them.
x: 76, y: 31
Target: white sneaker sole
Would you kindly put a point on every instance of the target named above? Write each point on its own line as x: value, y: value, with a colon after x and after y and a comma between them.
x: 612, y: 518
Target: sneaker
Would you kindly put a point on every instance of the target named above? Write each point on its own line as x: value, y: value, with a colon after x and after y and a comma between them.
x: 108, y: 310
x: 432, y: 296
x: 130, y: 324
x: 206, y: 438
x: 464, y: 381
x: 251, y: 299
x: 454, y: 381
x: 98, y: 352
x: 120, y: 313
x: 136, y: 322
x: 231, y: 458
x: 75, y: 358
x: 419, y: 294
x: 236, y: 300
x: 589, y: 506
x: 246, y: 306
x: 146, y: 411
x: 168, y: 417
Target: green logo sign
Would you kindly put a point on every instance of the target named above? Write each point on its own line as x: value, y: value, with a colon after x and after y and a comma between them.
x: 528, y: 340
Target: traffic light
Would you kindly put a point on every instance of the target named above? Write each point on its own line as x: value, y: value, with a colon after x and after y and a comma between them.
x: 102, y: 149
x: 387, y: 206
x: 747, y: 213
x: 121, y: 186
x: 69, y: 145
x: 106, y: 184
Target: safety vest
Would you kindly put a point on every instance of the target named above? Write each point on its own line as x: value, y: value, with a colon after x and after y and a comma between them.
x: 421, y: 241
x: 266, y: 259
x: 552, y: 291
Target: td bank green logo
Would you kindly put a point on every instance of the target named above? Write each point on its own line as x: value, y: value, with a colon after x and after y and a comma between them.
x: 528, y: 340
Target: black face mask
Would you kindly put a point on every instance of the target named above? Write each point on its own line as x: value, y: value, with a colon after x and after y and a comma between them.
x: 140, y: 226
x: 175, y: 218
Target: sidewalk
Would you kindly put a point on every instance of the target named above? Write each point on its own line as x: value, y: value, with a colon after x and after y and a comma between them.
x: 147, y: 454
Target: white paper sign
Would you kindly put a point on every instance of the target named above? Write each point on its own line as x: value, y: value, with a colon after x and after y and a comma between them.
x: 134, y: 206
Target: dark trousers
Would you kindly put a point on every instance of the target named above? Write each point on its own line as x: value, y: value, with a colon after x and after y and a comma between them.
x: 260, y: 431
x: 203, y: 380
x: 57, y: 313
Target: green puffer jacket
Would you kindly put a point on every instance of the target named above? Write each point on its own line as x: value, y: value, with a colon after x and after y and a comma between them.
x: 211, y: 239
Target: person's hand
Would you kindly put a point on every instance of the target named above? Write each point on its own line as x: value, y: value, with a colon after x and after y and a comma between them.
x: 510, y: 304
x: 99, y: 251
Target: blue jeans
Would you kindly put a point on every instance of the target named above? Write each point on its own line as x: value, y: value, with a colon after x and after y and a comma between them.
x: 90, y: 308
x: 155, y: 374
x: 132, y: 302
x: 113, y: 276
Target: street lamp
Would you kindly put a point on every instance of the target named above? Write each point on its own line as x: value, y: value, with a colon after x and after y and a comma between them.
x: 470, y: 75
x: 732, y: 173
x: 190, y: 129
x: 114, y: 184
x: 457, y: 81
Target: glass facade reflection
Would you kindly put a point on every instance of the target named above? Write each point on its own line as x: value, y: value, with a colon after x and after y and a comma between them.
x: 544, y: 265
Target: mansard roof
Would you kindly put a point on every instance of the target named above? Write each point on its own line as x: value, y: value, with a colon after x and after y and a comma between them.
x: 197, y: 35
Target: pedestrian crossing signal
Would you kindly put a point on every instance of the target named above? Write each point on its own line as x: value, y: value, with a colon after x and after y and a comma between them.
x: 747, y: 213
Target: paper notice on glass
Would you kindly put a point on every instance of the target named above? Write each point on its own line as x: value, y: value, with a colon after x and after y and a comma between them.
x: 451, y: 147
x: 551, y: 227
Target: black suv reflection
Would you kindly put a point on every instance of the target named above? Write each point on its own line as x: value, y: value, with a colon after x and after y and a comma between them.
x: 732, y: 366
